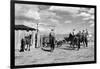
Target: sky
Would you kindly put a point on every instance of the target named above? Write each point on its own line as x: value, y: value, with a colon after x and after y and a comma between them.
x: 61, y: 18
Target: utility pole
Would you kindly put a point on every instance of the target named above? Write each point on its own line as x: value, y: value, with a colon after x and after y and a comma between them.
x: 36, y: 37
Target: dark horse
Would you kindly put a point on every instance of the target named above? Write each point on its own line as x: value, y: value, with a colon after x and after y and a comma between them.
x: 73, y: 40
x: 76, y: 40
x: 83, y: 39
x: 59, y: 43
x: 28, y: 42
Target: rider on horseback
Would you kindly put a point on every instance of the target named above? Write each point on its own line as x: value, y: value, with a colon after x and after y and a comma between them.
x: 73, y: 32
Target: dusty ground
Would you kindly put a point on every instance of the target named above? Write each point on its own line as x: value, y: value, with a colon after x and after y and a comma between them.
x: 62, y: 54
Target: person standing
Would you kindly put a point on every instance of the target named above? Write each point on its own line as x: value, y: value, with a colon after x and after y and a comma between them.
x: 86, y: 37
x: 22, y: 45
x: 52, y: 40
x: 79, y: 38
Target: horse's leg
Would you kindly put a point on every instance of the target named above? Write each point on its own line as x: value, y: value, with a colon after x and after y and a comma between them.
x: 78, y: 44
x: 70, y: 44
x: 29, y: 48
x: 57, y: 44
x: 83, y: 42
x: 73, y: 44
x: 29, y: 45
x: 26, y: 47
x: 86, y: 42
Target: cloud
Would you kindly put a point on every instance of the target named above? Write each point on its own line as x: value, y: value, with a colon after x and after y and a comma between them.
x: 44, y: 14
x: 24, y: 18
x: 88, y: 15
x: 26, y: 12
x: 33, y: 14
x: 43, y: 24
x: 65, y: 9
x: 67, y: 22
x: 51, y: 16
x: 43, y: 7
x: 92, y: 25
x: 86, y: 18
x: 44, y: 30
x: 84, y: 14
x: 30, y: 24
x: 54, y: 20
x: 84, y: 9
x: 91, y: 22
x: 91, y: 17
x: 91, y: 11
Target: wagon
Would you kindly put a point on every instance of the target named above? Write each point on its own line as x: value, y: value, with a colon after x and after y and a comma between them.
x: 45, y: 41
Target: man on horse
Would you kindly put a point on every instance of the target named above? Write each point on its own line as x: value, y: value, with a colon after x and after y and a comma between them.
x: 73, y: 32
x: 74, y: 40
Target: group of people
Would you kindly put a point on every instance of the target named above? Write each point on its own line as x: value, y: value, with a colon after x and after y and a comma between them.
x: 83, y: 32
x: 76, y: 38
x: 82, y: 37
x: 26, y: 42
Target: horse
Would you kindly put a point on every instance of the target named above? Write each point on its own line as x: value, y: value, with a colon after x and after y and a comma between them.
x: 74, y: 41
x: 28, y: 42
x: 60, y: 42
x: 83, y: 39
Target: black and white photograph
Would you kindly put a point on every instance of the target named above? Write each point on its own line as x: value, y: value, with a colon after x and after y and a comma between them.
x: 53, y: 34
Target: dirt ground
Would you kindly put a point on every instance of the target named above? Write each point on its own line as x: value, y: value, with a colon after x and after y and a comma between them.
x: 59, y: 55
